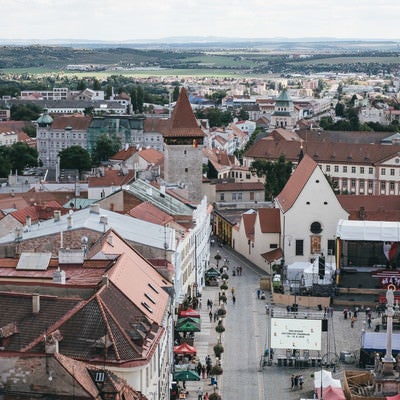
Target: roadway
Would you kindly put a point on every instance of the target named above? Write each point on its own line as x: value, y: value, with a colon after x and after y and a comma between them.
x: 245, y: 340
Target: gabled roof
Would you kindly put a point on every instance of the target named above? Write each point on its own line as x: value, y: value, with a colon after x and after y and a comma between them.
x: 152, y: 156
x: 249, y: 220
x: 77, y: 122
x: 124, y: 154
x: 242, y: 186
x: 38, y: 212
x: 294, y: 186
x: 183, y: 122
x: 112, y: 177
x: 9, y: 203
x: 147, y: 212
x: 269, y: 220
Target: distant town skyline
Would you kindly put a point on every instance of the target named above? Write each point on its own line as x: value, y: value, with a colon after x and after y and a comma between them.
x: 127, y: 20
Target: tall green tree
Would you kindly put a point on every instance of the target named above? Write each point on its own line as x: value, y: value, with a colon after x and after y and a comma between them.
x: 140, y: 99
x: 105, y: 147
x: 25, y: 112
x: 22, y: 156
x: 175, y: 93
x: 276, y: 174
x: 75, y: 157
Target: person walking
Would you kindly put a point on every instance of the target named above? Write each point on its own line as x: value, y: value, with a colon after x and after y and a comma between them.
x: 211, y: 316
x: 200, y: 394
x: 292, y: 382
x: 232, y: 290
x: 206, y: 396
x: 203, y: 371
x: 233, y: 299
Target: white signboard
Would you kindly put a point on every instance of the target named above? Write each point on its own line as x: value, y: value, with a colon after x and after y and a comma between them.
x: 299, y: 334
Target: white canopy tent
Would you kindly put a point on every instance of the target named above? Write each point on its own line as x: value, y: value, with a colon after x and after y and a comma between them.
x: 377, y: 231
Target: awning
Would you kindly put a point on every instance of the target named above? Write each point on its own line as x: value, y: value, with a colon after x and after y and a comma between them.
x: 211, y: 272
x: 187, y: 375
x: 185, y: 348
x: 189, y: 313
x: 188, y: 327
x: 273, y: 255
x: 374, y: 231
x: 183, y: 320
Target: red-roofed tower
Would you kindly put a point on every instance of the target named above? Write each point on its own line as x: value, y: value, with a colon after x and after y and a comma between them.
x: 183, y: 141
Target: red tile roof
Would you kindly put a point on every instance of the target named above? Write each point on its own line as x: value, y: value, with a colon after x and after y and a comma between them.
x: 147, y: 212
x: 38, y: 212
x: 8, y: 202
x: 272, y: 255
x: 183, y: 122
x: 124, y: 154
x: 270, y: 221
x: 111, y: 177
x: 152, y: 156
x: 248, y: 222
x: 77, y: 122
x: 371, y: 208
x: 296, y: 183
x: 243, y: 186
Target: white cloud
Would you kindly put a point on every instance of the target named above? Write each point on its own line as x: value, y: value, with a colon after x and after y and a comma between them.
x: 126, y: 19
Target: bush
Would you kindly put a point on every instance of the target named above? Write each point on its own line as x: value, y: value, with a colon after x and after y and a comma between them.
x: 220, y: 328
x: 216, y: 370
x: 214, y: 396
x: 225, y: 276
x: 224, y: 286
x: 218, y: 350
x: 221, y: 311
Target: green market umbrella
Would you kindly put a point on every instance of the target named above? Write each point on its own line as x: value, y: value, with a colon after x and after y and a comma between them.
x: 188, y: 327
x: 212, y: 272
x: 182, y: 320
x: 186, y: 375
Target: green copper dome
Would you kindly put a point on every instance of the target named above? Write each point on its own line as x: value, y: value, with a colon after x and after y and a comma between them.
x: 44, y: 119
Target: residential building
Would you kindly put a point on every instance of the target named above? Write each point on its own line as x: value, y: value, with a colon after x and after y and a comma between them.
x: 55, y: 135
x: 355, y: 167
x: 99, y: 302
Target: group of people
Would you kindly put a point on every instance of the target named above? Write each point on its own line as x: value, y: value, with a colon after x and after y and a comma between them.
x: 204, y: 370
x: 296, y: 381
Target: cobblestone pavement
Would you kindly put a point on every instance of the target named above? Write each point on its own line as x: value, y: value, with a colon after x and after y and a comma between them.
x: 245, y: 339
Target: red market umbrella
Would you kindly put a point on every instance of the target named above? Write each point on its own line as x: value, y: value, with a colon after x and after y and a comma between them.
x: 185, y: 348
x: 190, y: 313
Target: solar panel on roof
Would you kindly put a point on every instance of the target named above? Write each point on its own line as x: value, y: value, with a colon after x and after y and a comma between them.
x: 34, y: 261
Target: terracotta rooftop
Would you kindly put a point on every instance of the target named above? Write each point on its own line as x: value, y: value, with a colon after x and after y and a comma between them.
x: 296, y: 183
x: 111, y: 177
x: 235, y: 186
x: 9, y: 202
x: 124, y: 154
x: 147, y: 212
x: 183, y: 122
x: 38, y: 212
x: 249, y: 220
x: 76, y: 122
x: 152, y: 156
x: 269, y: 220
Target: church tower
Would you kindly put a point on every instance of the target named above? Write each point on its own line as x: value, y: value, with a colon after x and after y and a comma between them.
x: 183, y: 142
x: 284, y: 115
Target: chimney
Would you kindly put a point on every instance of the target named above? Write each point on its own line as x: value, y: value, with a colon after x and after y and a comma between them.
x: 363, y: 214
x: 57, y: 215
x: 35, y: 303
x: 28, y: 221
x: 59, y: 276
x: 95, y: 208
x: 103, y: 219
x: 69, y: 221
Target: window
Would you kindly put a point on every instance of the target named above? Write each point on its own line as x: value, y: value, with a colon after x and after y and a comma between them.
x: 353, y: 170
x: 222, y: 196
x: 237, y: 196
x: 370, y: 184
x: 383, y: 171
x: 328, y: 168
x: 273, y: 246
x: 251, y: 196
x: 391, y: 185
x: 344, y: 183
x: 331, y: 247
x: 383, y: 185
x: 299, y: 247
x: 361, y: 183
x: 336, y: 168
x: 353, y: 183
x: 362, y: 170
x: 392, y: 171
x: 370, y: 170
x: 316, y: 227
x: 344, y: 168
x: 186, y: 170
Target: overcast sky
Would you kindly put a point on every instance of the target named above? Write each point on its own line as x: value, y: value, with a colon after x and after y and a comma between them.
x: 124, y: 20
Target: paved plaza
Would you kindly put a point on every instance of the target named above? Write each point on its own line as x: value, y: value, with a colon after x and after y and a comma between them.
x: 245, y: 340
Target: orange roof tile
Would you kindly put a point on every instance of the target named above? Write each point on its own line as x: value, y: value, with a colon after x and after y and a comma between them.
x: 147, y: 212
x: 152, y: 156
x: 270, y: 221
x: 296, y: 183
x: 111, y: 177
x: 124, y: 154
x: 77, y: 122
x: 248, y: 223
x: 183, y: 122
